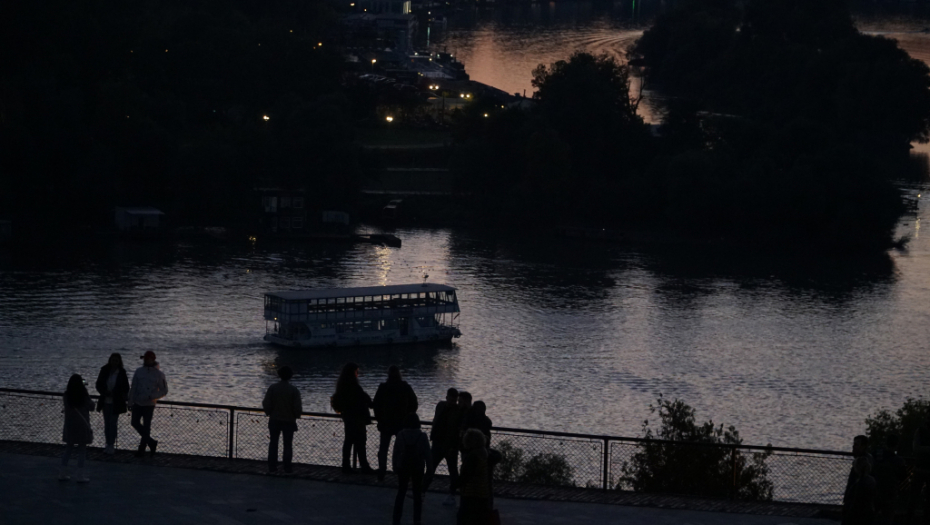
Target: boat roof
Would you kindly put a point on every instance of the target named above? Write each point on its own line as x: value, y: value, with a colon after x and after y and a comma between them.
x: 327, y: 293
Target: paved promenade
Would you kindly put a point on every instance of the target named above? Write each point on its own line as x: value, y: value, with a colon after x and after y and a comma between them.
x: 140, y: 492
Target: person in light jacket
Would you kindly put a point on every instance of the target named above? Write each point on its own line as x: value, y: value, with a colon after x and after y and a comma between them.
x: 113, y: 386
x: 283, y: 407
x: 411, y: 461
x: 77, y: 429
x: 148, y: 386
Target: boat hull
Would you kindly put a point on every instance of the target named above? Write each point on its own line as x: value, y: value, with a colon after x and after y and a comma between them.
x: 350, y: 341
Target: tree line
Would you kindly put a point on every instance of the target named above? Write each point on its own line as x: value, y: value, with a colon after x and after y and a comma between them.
x: 782, y: 123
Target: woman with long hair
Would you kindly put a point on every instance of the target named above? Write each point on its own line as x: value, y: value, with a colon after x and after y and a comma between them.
x: 77, y: 429
x: 352, y: 402
x: 113, y: 387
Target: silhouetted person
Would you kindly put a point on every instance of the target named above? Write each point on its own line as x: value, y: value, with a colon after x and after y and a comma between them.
x: 889, y: 472
x: 394, y: 401
x: 148, y: 386
x: 860, y: 450
x: 476, y: 418
x: 411, y: 461
x: 77, y: 429
x: 283, y: 407
x: 445, y: 437
x: 859, y: 509
x: 474, y: 480
x: 113, y: 386
x: 353, y: 403
x: 464, y: 409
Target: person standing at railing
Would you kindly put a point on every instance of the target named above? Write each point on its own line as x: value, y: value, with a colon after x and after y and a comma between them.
x: 889, y: 472
x: 475, y: 505
x: 411, y: 460
x: 283, y: 407
x: 77, y: 429
x: 444, y: 434
x: 394, y: 401
x: 353, y: 403
x: 148, y: 386
x: 113, y: 387
x: 860, y: 450
x: 859, y: 505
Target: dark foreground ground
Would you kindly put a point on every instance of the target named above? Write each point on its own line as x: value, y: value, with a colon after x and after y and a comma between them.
x: 194, y: 490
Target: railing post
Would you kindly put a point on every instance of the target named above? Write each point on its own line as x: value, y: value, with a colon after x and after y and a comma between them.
x: 606, y: 463
x: 733, y: 487
x: 232, y: 431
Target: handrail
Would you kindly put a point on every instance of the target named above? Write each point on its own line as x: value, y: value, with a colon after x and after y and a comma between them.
x: 598, y: 437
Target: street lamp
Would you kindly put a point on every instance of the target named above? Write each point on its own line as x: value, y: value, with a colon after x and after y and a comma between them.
x: 266, y: 118
x: 389, y: 119
x: 373, y: 60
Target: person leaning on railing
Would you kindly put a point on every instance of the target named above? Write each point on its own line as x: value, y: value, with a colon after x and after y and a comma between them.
x: 283, y: 407
x: 148, y: 386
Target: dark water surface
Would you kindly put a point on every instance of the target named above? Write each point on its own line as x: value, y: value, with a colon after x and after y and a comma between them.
x: 559, y: 334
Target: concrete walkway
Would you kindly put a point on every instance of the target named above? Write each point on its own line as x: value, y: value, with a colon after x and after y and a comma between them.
x: 129, y: 494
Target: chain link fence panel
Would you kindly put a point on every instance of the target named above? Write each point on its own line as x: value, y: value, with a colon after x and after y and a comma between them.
x: 528, y: 457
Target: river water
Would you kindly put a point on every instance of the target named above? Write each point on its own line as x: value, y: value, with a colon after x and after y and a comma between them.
x: 558, y: 334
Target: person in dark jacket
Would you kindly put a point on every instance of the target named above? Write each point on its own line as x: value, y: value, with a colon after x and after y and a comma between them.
x: 283, y: 407
x: 476, y: 418
x: 475, y: 506
x: 113, y: 386
x: 411, y: 461
x: 860, y: 450
x: 444, y: 435
x: 352, y: 402
x: 394, y: 401
x: 77, y: 429
x: 861, y: 500
x: 889, y: 472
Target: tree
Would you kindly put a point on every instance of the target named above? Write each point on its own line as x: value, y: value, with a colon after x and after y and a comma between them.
x: 711, y: 466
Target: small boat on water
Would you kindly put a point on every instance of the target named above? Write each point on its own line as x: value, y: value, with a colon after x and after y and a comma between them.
x: 369, y: 315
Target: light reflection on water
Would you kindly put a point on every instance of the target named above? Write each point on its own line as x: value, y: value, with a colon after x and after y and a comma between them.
x: 559, y: 334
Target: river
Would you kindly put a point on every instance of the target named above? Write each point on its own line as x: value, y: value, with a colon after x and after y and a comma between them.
x: 558, y: 334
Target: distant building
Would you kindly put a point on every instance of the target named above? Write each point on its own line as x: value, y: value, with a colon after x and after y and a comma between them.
x: 138, y: 219
x: 400, y: 7
x: 376, y: 30
x: 282, y: 211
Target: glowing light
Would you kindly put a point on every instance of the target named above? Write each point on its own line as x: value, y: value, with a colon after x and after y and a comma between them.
x: 266, y: 118
x: 252, y: 238
x: 485, y: 114
x: 320, y: 44
x: 373, y: 60
x: 292, y: 30
x: 166, y: 51
x: 389, y: 119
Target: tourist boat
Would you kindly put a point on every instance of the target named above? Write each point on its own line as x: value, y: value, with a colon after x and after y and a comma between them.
x: 370, y: 315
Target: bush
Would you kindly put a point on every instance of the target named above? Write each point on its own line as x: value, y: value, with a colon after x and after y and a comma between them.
x: 703, y: 469
x: 903, y: 423
x: 540, y: 469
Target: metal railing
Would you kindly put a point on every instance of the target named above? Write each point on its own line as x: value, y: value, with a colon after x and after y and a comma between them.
x: 529, y: 456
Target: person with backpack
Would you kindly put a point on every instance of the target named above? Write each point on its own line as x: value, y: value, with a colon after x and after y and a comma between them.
x: 352, y: 402
x: 394, y: 401
x: 445, y: 437
x: 77, y: 429
x: 411, y: 460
